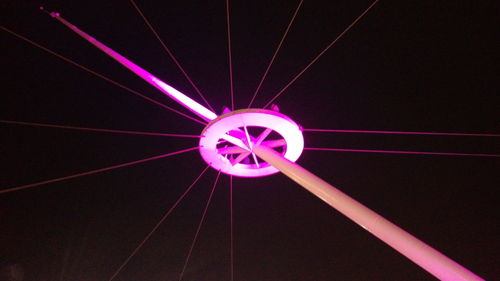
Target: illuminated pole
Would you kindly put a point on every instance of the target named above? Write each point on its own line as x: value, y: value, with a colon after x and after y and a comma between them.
x: 170, y: 91
x: 417, y: 251
x: 190, y: 104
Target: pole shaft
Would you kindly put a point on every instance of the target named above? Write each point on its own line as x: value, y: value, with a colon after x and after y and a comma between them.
x: 417, y: 251
x: 203, y: 112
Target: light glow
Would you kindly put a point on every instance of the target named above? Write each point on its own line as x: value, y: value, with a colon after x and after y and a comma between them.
x: 181, y: 98
x: 192, y: 105
x: 220, y: 128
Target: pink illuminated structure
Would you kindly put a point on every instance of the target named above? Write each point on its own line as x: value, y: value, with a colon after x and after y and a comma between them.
x: 220, y: 158
x: 230, y: 144
x: 179, y: 97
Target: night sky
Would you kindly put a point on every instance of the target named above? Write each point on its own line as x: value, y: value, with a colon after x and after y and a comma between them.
x: 426, y: 66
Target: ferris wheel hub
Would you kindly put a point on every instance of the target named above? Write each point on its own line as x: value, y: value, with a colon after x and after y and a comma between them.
x: 227, y: 142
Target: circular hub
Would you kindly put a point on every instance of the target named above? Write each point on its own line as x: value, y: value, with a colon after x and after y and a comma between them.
x: 226, y: 143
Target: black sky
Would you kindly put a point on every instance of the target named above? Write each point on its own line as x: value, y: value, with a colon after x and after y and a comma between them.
x: 406, y: 66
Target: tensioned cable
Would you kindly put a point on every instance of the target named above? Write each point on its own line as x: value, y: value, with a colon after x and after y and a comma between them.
x: 99, y: 75
x: 231, y: 90
x: 402, y: 152
x: 171, y: 54
x: 96, y: 129
x: 321, y: 53
x: 139, y: 246
x: 26, y: 186
x: 199, y: 227
x: 231, y: 226
x: 401, y: 133
x: 275, y: 54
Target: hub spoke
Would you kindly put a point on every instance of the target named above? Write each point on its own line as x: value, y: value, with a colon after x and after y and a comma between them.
x: 231, y: 150
x: 263, y: 136
x: 274, y: 143
x: 240, y: 158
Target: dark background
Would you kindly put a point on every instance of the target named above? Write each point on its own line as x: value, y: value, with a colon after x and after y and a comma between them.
x: 407, y: 65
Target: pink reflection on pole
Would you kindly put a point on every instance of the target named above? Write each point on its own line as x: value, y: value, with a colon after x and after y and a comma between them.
x: 192, y: 105
x: 408, y: 245
x: 184, y: 100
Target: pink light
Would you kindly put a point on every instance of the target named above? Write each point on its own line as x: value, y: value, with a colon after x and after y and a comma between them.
x: 228, y: 127
x: 228, y: 123
x: 184, y: 100
x: 197, y: 108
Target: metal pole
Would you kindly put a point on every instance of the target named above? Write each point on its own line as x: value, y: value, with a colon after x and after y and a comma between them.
x: 417, y: 251
x: 198, y: 109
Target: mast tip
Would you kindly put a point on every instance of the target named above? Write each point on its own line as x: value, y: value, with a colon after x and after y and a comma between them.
x: 52, y: 14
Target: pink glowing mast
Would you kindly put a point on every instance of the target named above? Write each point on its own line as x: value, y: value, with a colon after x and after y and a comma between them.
x: 230, y: 145
x: 179, y: 97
